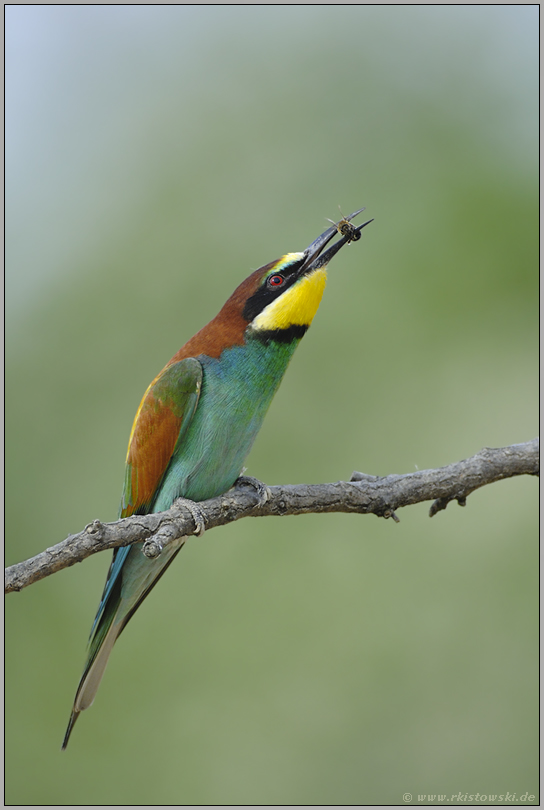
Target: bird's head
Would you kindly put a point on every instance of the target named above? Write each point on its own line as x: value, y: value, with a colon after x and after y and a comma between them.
x: 288, y: 291
x: 279, y: 300
x: 282, y: 297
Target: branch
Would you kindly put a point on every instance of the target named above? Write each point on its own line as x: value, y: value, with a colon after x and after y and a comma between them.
x: 363, y: 494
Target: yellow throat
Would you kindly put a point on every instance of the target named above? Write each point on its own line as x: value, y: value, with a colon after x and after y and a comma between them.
x: 298, y: 304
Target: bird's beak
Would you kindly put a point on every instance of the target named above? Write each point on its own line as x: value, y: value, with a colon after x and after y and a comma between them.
x: 314, y: 258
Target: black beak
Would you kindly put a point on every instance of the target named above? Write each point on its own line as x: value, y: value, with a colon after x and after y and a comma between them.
x: 314, y: 258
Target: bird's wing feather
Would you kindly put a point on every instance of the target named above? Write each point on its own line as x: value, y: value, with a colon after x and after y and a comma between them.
x: 161, y: 423
x: 162, y: 419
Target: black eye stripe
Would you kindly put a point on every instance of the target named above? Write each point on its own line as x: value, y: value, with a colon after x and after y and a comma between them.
x: 269, y: 290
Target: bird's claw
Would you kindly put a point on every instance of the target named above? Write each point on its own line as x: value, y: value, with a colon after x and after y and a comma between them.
x: 261, y: 490
x: 196, y: 514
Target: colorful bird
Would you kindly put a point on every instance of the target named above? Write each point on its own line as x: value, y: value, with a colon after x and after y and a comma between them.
x: 198, y: 420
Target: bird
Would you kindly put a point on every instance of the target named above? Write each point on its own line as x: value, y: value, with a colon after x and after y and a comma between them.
x: 197, y: 421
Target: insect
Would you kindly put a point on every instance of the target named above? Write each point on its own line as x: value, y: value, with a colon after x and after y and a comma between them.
x: 345, y: 228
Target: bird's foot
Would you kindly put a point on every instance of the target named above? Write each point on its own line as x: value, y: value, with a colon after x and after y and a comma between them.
x: 196, y: 514
x: 261, y: 490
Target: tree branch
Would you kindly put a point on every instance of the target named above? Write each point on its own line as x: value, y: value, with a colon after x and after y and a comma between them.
x: 363, y: 494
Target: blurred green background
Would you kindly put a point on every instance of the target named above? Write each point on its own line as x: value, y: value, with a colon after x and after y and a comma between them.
x: 155, y: 156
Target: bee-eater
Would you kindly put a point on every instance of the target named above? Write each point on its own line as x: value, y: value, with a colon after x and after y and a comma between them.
x: 199, y: 418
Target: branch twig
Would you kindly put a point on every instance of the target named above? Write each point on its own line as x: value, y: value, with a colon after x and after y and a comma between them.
x: 364, y: 494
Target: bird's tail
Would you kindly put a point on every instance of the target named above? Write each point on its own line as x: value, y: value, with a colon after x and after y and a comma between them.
x: 101, y: 647
x: 130, y: 578
x: 90, y: 682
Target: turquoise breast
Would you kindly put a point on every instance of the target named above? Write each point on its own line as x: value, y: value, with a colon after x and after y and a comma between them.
x: 237, y: 390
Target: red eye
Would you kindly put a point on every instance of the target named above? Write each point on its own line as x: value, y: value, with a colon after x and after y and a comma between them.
x: 276, y: 280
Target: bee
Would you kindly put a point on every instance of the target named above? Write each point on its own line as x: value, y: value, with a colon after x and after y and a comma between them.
x: 345, y: 228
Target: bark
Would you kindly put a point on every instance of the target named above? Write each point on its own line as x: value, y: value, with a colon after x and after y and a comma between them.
x: 364, y: 494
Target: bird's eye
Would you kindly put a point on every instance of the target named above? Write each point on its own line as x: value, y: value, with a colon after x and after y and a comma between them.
x: 275, y: 281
